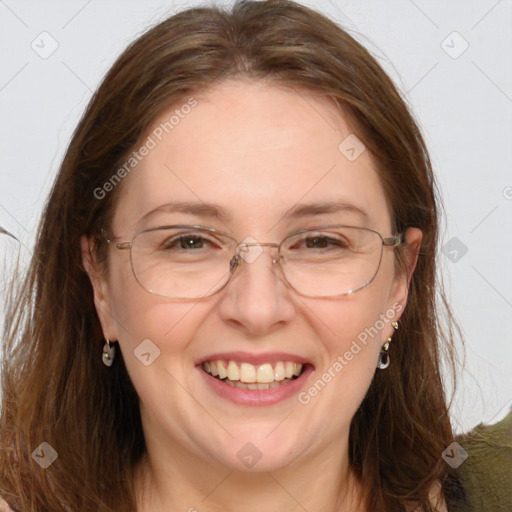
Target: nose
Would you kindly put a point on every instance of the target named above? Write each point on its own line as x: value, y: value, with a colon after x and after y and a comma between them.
x: 256, y: 299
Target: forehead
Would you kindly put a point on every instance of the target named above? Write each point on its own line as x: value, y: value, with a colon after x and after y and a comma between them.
x: 257, y: 151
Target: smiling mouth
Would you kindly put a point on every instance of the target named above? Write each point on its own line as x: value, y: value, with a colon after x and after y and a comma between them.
x: 244, y: 375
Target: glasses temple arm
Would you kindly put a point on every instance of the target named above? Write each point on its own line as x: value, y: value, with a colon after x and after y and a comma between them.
x: 394, y: 240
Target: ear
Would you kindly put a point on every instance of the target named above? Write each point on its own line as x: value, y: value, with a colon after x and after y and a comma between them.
x: 101, y: 290
x: 400, y: 288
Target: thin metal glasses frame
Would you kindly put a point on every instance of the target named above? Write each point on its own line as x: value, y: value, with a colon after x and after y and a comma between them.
x: 393, y: 241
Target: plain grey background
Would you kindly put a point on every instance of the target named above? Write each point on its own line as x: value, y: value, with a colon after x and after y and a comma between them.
x: 451, y: 60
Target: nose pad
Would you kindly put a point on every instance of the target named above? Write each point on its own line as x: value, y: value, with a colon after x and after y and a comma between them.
x: 236, y: 261
x: 249, y: 249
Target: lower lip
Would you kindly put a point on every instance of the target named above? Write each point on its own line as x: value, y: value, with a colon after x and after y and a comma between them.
x: 257, y: 396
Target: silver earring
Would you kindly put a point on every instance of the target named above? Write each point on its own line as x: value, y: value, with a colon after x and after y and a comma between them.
x: 384, y: 360
x: 109, y: 353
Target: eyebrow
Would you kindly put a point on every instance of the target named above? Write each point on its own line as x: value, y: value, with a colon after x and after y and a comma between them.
x: 304, y: 210
x: 211, y: 210
x: 197, y: 208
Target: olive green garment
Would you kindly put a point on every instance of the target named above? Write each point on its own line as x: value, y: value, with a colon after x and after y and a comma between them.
x: 487, y: 472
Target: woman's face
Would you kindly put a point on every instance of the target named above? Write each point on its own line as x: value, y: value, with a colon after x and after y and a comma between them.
x: 256, y: 152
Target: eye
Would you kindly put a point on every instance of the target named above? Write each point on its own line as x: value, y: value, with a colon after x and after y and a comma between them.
x: 186, y: 242
x: 321, y: 241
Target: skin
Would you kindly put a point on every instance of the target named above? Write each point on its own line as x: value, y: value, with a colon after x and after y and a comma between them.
x: 256, y: 150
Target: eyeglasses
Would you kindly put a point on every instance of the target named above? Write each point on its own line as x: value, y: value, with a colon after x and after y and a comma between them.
x: 191, y: 262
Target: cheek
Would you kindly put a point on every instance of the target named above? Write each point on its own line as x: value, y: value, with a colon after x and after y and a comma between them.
x: 357, y: 319
x: 142, y: 316
x: 154, y: 340
x: 351, y: 333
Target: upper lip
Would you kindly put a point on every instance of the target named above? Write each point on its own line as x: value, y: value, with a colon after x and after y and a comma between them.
x: 255, y: 359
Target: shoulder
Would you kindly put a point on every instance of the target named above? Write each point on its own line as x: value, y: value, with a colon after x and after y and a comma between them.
x: 486, y: 473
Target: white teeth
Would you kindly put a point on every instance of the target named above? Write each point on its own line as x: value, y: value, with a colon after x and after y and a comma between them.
x: 247, y: 373
x: 241, y: 385
x: 233, y: 371
x: 265, y: 373
x: 279, y: 372
x: 222, y: 370
x: 253, y: 376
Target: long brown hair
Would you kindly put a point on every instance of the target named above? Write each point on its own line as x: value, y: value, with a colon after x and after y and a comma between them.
x: 55, y: 387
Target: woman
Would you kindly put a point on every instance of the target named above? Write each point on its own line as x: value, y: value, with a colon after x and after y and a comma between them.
x: 232, y: 301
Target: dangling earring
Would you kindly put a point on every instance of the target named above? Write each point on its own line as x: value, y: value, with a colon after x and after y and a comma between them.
x: 383, y: 361
x: 109, y: 353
